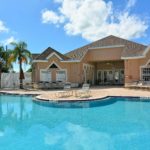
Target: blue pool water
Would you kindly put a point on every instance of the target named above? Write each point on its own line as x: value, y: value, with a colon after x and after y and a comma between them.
x: 113, y: 124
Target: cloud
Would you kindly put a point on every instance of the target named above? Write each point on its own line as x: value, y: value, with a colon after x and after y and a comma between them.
x: 3, y: 28
x: 51, y: 17
x: 8, y: 41
x: 94, y: 19
x: 58, y: 1
x: 131, y: 3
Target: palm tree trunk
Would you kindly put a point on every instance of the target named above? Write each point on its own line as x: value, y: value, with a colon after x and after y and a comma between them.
x: 20, y: 74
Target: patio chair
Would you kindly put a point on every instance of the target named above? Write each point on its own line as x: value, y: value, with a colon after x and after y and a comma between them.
x: 84, y: 92
x: 67, y: 92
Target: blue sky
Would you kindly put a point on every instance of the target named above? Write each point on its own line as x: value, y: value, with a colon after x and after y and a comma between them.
x: 69, y: 24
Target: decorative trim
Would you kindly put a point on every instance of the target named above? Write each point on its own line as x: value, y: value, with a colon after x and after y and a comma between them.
x: 147, y: 62
x: 55, y: 64
x: 49, y: 56
x: 71, y: 61
x: 146, y: 50
x: 136, y: 57
x: 103, y: 47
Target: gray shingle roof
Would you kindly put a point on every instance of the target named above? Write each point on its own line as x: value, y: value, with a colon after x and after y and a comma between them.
x: 47, y: 52
x: 34, y: 56
x: 131, y: 49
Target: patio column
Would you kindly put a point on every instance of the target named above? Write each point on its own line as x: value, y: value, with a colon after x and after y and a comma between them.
x: 85, y: 77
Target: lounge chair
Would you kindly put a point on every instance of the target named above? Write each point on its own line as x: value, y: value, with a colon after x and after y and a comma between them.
x: 67, y: 92
x: 84, y: 92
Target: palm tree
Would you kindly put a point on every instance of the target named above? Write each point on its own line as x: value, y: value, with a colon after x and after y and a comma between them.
x: 4, y: 65
x: 21, y: 54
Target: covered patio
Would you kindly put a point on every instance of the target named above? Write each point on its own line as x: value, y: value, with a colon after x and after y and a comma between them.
x: 104, y: 73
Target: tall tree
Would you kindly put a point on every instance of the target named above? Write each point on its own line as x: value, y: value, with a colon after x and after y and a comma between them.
x: 4, y: 64
x: 20, y: 54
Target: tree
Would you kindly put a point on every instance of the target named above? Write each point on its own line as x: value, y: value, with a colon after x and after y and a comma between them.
x: 4, y: 64
x: 20, y: 54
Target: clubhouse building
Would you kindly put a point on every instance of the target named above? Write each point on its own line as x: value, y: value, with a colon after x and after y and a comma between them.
x: 108, y: 61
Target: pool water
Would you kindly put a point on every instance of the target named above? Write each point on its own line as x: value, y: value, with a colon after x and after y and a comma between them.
x: 113, y: 124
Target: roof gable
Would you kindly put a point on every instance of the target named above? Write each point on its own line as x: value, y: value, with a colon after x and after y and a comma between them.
x: 131, y: 49
x: 48, y: 52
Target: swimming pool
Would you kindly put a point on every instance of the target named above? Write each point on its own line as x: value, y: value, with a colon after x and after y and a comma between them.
x: 113, y: 124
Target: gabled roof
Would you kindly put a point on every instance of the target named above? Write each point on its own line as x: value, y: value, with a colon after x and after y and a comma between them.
x: 130, y: 49
x: 49, y: 51
x: 34, y: 56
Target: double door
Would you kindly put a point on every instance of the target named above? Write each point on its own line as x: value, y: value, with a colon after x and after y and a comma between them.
x: 105, y: 77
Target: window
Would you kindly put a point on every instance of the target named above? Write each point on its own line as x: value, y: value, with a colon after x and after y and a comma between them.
x: 61, y: 75
x: 45, y: 76
x: 53, y: 66
x: 145, y: 72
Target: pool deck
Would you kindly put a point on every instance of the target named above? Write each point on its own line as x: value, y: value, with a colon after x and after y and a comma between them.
x: 95, y: 92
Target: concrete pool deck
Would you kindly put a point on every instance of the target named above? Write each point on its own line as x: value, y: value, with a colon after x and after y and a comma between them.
x: 95, y: 92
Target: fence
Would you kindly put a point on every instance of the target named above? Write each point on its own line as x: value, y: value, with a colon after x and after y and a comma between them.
x: 11, y: 80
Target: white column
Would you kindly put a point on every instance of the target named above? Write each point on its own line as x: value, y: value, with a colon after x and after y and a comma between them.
x: 85, y: 75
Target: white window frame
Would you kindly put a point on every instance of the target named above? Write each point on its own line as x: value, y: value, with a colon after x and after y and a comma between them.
x: 147, y: 74
x: 50, y: 74
x: 146, y: 66
x: 65, y: 75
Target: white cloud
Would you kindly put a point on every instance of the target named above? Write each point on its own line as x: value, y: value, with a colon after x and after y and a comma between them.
x: 51, y: 17
x: 8, y: 41
x: 94, y: 19
x: 3, y: 28
x: 131, y: 3
x: 58, y: 1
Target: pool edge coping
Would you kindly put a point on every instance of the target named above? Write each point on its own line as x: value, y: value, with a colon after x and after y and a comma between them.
x: 37, y: 98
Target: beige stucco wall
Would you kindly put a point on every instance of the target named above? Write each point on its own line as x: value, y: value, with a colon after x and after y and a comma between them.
x: 98, y: 58
x: 132, y: 68
x: 73, y: 70
x: 104, y: 54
